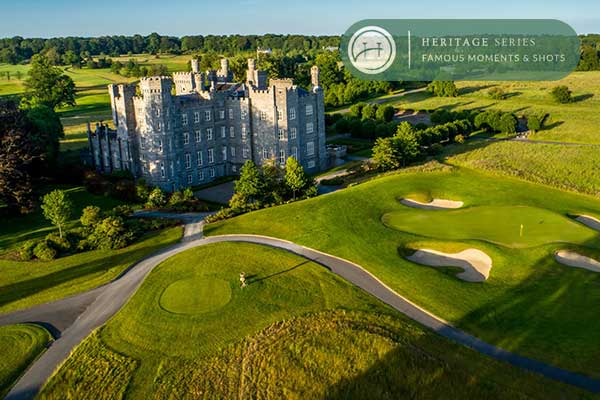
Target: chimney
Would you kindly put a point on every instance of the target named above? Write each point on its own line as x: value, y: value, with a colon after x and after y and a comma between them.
x: 315, y: 77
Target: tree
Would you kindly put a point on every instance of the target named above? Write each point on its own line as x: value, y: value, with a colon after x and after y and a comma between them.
x: 508, y: 123
x: 369, y: 111
x: 48, y: 85
x: 110, y: 234
x: 535, y: 122
x: 385, y: 154
x: 562, y: 94
x: 295, y: 177
x: 443, y: 89
x: 250, y: 183
x: 385, y: 113
x: 48, y: 130
x: 17, y: 151
x: 407, y: 146
x: 90, y: 217
x: 497, y: 93
x: 57, y: 209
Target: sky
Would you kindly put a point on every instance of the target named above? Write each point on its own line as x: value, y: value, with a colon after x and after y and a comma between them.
x: 56, y: 18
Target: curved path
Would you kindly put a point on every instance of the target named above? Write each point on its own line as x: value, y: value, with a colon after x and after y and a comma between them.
x: 109, y: 299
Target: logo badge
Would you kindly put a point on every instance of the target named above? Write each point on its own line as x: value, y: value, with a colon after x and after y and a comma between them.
x: 372, y: 50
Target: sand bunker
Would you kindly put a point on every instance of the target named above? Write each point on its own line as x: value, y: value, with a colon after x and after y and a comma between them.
x: 572, y: 259
x: 475, y: 263
x: 435, y: 204
x: 587, y: 220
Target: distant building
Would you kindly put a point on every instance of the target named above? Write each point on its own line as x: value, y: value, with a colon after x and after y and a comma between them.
x: 195, y: 127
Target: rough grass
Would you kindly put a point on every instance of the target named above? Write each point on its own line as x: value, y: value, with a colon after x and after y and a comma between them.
x: 575, y: 122
x: 19, y: 346
x: 530, y: 304
x: 296, y: 331
x: 573, y: 168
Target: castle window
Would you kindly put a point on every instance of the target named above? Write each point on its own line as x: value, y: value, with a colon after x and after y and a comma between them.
x: 211, y: 156
x: 295, y: 152
x: 188, y: 160
x: 160, y: 146
x: 310, y: 148
x: 281, y: 134
x: 263, y: 116
x: 230, y: 111
x: 309, y: 109
x: 186, y: 138
x: 207, y: 115
x: 190, y: 179
x: 309, y: 127
x: 209, y: 133
x: 292, y: 113
x: 158, y: 126
x: 142, y: 143
x: 311, y: 164
x: 211, y: 172
x: 265, y: 155
x: 234, y: 168
x: 293, y: 133
x: 199, y: 157
x: 279, y: 115
x: 184, y: 119
x: 281, y: 157
x: 222, y: 114
x: 196, y: 117
x: 224, y: 153
x: 243, y: 131
x: 172, y: 168
x: 223, y: 132
x: 231, y: 131
x: 198, y: 136
x: 243, y: 113
x: 245, y: 152
x: 158, y: 112
x: 232, y: 151
x: 162, y: 170
x: 200, y: 175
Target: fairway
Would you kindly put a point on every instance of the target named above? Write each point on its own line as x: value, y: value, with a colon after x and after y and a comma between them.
x: 295, y: 331
x: 511, y: 226
x: 19, y: 346
x: 530, y: 304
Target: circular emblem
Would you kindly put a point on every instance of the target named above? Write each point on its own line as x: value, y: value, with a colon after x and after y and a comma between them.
x: 371, y: 50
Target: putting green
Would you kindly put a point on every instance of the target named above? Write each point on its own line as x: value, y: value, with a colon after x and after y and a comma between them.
x: 501, y: 225
x: 195, y: 295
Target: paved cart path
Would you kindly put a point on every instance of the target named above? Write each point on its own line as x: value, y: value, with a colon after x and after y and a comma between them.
x: 99, y: 305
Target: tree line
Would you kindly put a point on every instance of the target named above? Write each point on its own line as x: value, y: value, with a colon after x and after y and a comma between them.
x: 18, y: 49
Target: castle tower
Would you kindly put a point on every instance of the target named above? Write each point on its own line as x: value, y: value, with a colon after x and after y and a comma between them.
x: 315, y: 76
x: 256, y: 77
x: 195, y: 65
x: 251, y: 72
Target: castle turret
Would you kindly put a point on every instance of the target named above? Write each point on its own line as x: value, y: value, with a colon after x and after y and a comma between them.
x: 254, y: 76
x: 224, y: 74
x: 195, y: 65
x: 315, y: 77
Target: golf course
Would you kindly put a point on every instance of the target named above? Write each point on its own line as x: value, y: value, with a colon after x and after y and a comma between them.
x: 530, y: 303
x: 295, y: 331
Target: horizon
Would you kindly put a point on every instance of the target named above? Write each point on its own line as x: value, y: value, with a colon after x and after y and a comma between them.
x: 69, y: 18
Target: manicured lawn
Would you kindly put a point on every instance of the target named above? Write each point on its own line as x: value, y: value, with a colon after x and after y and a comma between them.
x: 575, y: 122
x: 530, y: 304
x: 296, y: 331
x: 511, y: 226
x: 19, y: 346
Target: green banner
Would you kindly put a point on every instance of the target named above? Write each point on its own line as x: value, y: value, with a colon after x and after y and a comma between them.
x: 426, y: 50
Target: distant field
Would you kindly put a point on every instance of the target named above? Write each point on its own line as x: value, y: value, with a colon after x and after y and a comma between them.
x: 576, y: 122
x: 295, y: 332
x: 19, y: 346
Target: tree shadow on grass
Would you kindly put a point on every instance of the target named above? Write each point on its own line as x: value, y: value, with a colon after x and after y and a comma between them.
x: 582, y: 97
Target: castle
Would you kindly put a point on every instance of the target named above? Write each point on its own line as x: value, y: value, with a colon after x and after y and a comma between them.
x: 208, y: 126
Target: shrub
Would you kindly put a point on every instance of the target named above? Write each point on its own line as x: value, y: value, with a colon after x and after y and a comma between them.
x: 497, y: 93
x: 61, y: 245
x: 26, y: 250
x: 175, y: 199
x: 385, y: 113
x: 110, y: 234
x: 459, y: 139
x: 436, y: 149
x: 156, y: 198
x: 562, y: 94
x: 44, y: 252
x: 443, y: 89
x: 369, y: 111
x: 122, y: 211
x: 188, y: 194
x: 535, y: 122
x: 356, y: 110
x: 142, y: 190
x: 91, y: 216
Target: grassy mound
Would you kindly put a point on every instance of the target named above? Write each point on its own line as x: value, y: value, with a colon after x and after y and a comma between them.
x: 296, y: 331
x: 19, y: 346
x: 530, y: 304
x: 496, y: 224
